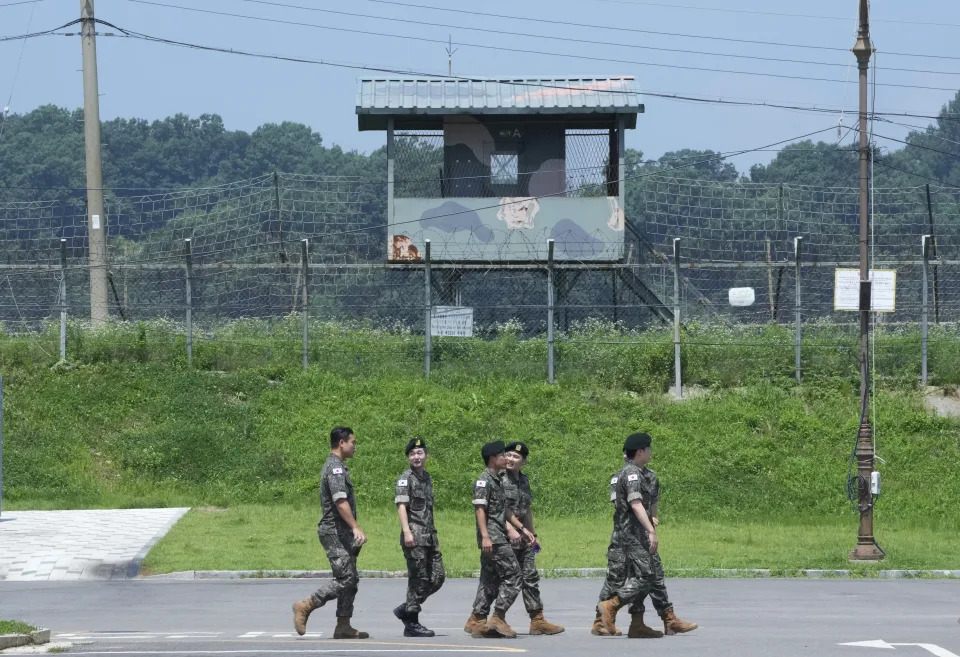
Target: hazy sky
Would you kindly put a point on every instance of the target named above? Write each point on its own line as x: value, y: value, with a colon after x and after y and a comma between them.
x: 149, y: 80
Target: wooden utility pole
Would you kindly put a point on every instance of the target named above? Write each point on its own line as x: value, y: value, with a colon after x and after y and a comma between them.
x: 866, y: 549
x: 96, y: 220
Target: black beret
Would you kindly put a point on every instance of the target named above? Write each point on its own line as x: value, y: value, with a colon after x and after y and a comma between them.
x: 637, y: 441
x: 519, y: 447
x: 414, y: 443
x: 492, y: 449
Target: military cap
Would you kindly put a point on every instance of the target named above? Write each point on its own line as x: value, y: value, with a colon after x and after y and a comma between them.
x: 637, y: 441
x: 492, y: 449
x: 518, y: 447
x: 414, y: 443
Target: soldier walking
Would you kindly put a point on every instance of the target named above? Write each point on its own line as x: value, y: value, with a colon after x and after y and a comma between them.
x: 340, y: 537
x: 516, y: 488
x: 496, y: 536
x: 621, y: 566
x: 418, y: 539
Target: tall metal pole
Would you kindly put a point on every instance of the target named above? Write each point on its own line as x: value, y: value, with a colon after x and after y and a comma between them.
x: 677, y: 374
x: 924, y: 310
x: 933, y: 254
x: 798, y: 321
x: 63, y: 299
x: 428, y: 303
x: 866, y: 548
x: 96, y: 220
x: 188, y: 282
x: 550, y: 361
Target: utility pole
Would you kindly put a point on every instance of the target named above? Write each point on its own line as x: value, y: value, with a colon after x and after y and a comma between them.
x: 450, y: 52
x: 867, y: 549
x: 96, y: 220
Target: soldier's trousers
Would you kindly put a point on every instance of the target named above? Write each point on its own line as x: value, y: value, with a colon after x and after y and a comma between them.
x: 499, y: 579
x: 617, y: 575
x: 425, y: 575
x: 343, y: 562
x: 529, y: 578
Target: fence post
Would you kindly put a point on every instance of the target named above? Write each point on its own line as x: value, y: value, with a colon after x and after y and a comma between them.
x: 305, y: 277
x: 677, y: 374
x: 550, y: 361
x: 428, y: 311
x: 188, y: 254
x: 933, y: 254
x: 798, y: 322
x: 924, y: 310
x: 63, y: 300
x: 1, y: 444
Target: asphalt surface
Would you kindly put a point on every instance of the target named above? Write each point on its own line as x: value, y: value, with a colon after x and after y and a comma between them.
x: 737, y: 617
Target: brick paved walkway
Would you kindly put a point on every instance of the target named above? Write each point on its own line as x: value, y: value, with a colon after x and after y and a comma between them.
x: 98, y: 544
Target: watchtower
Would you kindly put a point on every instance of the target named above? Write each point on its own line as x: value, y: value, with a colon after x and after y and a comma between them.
x: 490, y: 169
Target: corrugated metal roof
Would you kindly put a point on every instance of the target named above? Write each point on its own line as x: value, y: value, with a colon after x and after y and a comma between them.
x: 617, y: 95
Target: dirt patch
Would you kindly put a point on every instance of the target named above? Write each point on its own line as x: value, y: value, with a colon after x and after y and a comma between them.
x: 945, y: 402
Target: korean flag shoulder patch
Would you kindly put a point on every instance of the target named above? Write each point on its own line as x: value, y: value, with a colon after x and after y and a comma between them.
x: 614, y: 480
x: 633, y: 477
x: 337, y: 471
x: 481, y: 483
x: 402, y: 482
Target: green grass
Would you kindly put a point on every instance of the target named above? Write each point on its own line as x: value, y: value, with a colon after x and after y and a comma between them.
x: 252, y: 537
x: 16, y: 627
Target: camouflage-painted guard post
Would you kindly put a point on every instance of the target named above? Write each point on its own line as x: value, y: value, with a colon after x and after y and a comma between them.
x: 634, y: 569
x: 418, y: 539
x: 516, y: 488
x: 499, y: 568
x: 340, y: 537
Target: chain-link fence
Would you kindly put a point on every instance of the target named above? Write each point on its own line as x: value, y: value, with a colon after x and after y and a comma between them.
x: 248, y: 278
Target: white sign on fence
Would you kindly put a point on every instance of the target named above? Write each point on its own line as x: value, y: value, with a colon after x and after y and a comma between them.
x: 452, y: 321
x: 883, y: 296
x: 742, y: 296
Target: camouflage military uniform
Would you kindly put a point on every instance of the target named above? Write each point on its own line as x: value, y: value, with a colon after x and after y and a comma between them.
x: 336, y: 537
x: 616, y: 560
x: 626, y: 487
x: 499, y: 571
x: 519, y: 500
x: 425, y: 573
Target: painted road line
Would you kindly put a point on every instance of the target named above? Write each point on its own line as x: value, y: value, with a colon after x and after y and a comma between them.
x: 418, y: 650
x: 932, y: 648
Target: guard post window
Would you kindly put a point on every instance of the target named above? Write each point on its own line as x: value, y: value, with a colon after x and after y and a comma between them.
x: 503, y: 169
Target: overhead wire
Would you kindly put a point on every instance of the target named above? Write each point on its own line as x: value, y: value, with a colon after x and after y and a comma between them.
x: 526, y: 51
x: 16, y: 73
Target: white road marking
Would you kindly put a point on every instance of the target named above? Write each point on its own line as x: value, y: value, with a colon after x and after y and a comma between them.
x: 414, y: 650
x: 932, y: 648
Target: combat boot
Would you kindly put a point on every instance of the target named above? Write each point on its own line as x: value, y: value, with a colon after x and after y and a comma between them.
x: 539, y: 625
x: 498, y: 624
x: 402, y: 615
x: 476, y: 626
x: 344, y: 631
x: 608, y: 613
x: 640, y: 630
x: 301, y: 612
x: 673, y: 625
x: 598, y: 629
x: 415, y: 629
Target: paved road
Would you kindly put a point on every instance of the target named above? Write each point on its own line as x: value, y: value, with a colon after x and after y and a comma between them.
x: 738, y: 618
x: 96, y: 544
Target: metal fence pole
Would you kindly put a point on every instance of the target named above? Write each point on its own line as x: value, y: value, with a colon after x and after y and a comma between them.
x: 63, y: 300
x: 798, y: 321
x: 428, y: 302
x: 188, y: 254
x: 924, y: 310
x: 305, y: 278
x: 550, y: 361
x: 677, y: 375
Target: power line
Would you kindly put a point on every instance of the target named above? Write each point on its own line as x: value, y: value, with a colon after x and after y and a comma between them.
x: 617, y: 28
x: 921, y: 146
x: 4, y: 5
x: 885, y: 164
x: 16, y: 73
x: 772, y: 13
x: 527, y: 51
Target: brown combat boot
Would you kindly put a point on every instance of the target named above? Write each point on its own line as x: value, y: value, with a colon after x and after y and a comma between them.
x: 608, y: 613
x: 497, y: 624
x: 673, y: 625
x: 344, y: 631
x: 476, y: 626
x: 598, y: 629
x: 301, y: 612
x: 539, y: 625
x: 640, y: 630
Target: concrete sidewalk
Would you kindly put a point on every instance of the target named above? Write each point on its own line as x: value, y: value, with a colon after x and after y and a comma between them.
x: 71, y: 545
